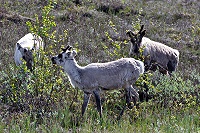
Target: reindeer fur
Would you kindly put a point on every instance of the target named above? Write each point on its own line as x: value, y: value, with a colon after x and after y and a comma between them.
x: 154, y: 52
x: 91, y: 78
x: 24, y: 48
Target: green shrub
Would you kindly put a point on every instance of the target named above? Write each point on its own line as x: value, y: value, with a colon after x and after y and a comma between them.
x: 36, y: 92
x: 175, y: 92
x: 43, y: 101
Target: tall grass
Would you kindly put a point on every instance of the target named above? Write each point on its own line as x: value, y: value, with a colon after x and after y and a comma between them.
x: 170, y: 110
x: 151, y: 119
x: 44, y: 101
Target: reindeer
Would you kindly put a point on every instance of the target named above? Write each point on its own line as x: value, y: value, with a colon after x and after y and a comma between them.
x: 95, y: 77
x: 155, y: 53
x: 24, y: 49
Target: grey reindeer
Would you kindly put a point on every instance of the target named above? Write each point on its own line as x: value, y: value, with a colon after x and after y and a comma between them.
x: 155, y: 53
x: 94, y: 77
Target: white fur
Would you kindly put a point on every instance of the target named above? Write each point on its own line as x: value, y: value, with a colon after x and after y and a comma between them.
x: 29, y: 41
x: 117, y: 74
x: 158, y: 52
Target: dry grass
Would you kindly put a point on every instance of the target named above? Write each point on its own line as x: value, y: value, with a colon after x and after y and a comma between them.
x: 173, y: 23
x: 94, y: 25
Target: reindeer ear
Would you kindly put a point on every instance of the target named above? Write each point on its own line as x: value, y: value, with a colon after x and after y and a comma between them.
x: 18, y: 46
x: 64, y: 49
x: 67, y: 47
x: 74, y: 53
x: 130, y: 34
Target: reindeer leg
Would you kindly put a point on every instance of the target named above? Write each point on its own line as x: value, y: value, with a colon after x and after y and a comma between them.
x: 122, y: 111
x: 131, y: 96
x: 128, y: 98
x: 134, y: 94
x: 98, y: 102
x: 85, y: 102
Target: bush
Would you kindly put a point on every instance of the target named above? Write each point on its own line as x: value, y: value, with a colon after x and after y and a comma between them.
x: 36, y: 93
x: 45, y: 95
x: 175, y: 92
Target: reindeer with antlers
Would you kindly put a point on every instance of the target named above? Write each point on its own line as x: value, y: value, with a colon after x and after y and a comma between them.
x: 155, y: 53
x: 94, y: 77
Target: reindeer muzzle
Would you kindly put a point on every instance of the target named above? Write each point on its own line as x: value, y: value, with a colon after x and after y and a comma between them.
x: 53, y: 60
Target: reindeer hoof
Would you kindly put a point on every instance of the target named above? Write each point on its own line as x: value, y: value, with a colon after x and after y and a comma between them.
x: 133, y: 102
x: 130, y: 106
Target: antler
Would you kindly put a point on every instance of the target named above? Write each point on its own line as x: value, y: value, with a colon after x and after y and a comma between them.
x: 67, y: 48
x: 141, y: 29
x: 130, y: 33
x: 141, y: 32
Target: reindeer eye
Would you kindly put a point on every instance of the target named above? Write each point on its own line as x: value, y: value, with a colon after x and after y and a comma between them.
x: 133, y: 40
x: 68, y: 54
x: 60, y: 56
x: 25, y: 50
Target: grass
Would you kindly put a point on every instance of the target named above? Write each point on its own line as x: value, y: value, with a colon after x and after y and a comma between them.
x: 159, y: 120
x: 98, y: 31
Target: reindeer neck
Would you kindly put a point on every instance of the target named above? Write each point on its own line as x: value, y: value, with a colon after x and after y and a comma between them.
x: 72, y: 69
x: 138, y: 46
x: 71, y: 65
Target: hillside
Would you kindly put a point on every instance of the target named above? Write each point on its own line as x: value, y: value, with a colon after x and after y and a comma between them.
x: 97, y: 30
x: 174, y: 23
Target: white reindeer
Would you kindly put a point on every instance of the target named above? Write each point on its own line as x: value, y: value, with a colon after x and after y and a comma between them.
x: 91, y: 78
x: 155, y: 53
x: 24, y: 49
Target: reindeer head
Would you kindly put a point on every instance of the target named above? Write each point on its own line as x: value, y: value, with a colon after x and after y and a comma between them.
x: 27, y: 55
x: 61, y: 58
x: 136, y: 39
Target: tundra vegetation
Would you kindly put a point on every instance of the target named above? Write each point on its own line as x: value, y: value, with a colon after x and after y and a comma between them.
x: 44, y: 101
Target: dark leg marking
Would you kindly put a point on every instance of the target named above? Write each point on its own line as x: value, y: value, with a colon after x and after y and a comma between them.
x: 170, y: 66
x: 98, y: 102
x: 85, y: 102
x: 122, y: 112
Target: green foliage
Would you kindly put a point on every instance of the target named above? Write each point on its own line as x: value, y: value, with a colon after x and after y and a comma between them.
x: 14, y: 84
x: 35, y: 91
x: 137, y: 20
x: 44, y: 78
x: 175, y: 92
x: 40, y: 101
x: 115, y: 49
x: 44, y: 26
